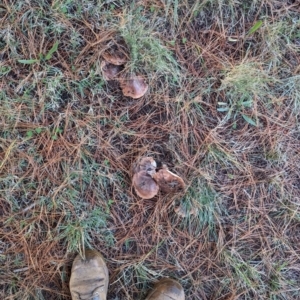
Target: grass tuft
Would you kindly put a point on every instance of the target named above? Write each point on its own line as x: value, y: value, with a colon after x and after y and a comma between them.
x: 148, y: 54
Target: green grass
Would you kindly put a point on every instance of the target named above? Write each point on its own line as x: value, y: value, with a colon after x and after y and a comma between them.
x: 148, y: 54
x: 200, y: 208
x: 244, y: 85
x: 245, y: 81
x: 222, y: 111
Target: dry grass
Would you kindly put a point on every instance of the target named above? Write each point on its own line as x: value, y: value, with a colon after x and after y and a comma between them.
x: 222, y: 111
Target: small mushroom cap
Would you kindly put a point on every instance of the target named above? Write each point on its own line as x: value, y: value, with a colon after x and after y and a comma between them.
x: 168, y: 182
x: 146, y: 164
x: 109, y: 70
x: 135, y: 87
x: 144, y: 185
x: 116, y: 58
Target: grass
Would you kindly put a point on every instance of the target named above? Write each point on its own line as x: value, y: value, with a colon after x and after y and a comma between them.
x: 199, y: 208
x: 147, y: 52
x: 222, y: 111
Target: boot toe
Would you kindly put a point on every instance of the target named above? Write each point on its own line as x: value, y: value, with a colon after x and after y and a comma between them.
x: 89, y: 276
x: 167, y: 289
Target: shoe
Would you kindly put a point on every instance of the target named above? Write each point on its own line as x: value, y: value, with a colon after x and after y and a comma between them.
x: 89, y: 277
x: 167, y: 289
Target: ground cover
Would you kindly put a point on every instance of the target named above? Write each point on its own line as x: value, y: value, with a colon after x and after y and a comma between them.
x: 222, y: 111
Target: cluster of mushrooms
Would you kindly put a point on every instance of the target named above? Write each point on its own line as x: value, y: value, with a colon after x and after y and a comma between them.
x: 112, y: 67
x: 148, y: 179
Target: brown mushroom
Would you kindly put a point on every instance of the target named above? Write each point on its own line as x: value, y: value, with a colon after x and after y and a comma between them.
x: 116, y: 58
x: 146, y: 164
x: 144, y: 185
x: 134, y: 87
x: 167, y: 181
x: 110, y: 71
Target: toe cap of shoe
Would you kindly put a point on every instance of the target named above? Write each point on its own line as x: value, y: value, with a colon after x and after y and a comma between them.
x: 167, y: 289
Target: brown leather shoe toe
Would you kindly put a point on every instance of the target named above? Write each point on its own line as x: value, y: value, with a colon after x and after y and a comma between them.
x: 89, y: 277
x: 167, y: 289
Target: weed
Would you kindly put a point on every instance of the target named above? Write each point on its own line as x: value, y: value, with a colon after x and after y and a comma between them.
x: 242, y: 85
x: 245, y: 81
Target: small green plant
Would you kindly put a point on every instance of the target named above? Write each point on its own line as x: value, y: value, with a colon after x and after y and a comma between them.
x: 255, y: 27
x: 4, y: 70
x: 240, y: 105
x: 109, y: 204
x: 56, y: 133
x: 242, y: 86
x: 31, y: 133
x: 152, y: 8
x: 41, y: 56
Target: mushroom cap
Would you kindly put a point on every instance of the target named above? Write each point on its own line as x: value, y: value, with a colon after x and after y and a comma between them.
x: 144, y: 185
x: 146, y: 164
x: 167, y: 181
x: 134, y: 87
x: 110, y: 71
x: 116, y: 58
